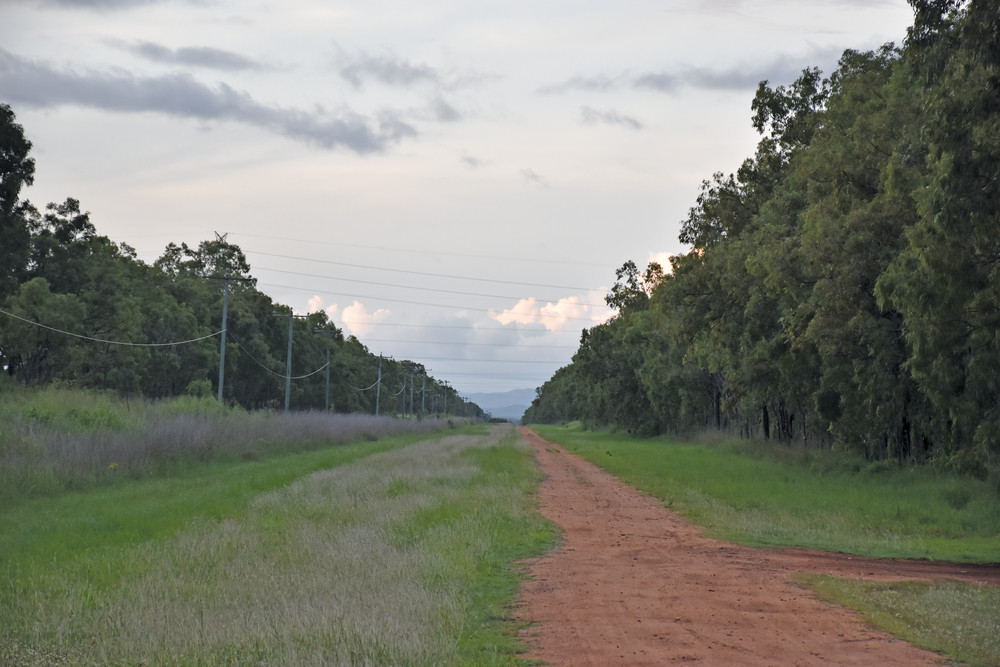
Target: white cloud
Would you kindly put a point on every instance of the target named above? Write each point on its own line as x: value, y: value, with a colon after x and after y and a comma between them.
x: 566, y: 314
x: 358, y: 320
x: 316, y: 304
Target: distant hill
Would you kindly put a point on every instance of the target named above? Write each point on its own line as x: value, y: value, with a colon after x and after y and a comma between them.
x: 507, y: 404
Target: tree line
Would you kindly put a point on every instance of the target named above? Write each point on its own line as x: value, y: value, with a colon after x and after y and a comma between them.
x: 83, y: 311
x: 843, y: 285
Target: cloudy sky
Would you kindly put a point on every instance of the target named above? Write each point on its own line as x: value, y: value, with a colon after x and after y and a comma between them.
x: 453, y: 181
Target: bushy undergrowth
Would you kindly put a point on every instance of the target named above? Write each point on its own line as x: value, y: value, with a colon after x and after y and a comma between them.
x: 56, y: 440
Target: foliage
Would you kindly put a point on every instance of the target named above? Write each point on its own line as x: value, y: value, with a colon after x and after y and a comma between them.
x: 841, y: 290
x: 16, y: 171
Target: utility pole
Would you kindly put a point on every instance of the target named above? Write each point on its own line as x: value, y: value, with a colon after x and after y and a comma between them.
x: 378, y: 385
x: 225, y: 318
x: 423, y: 394
x: 288, y: 360
x: 329, y: 333
x: 411, y: 395
x: 222, y: 343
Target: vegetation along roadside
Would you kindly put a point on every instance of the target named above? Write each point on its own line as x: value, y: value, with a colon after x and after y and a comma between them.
x: 403, y: 556
x: 58, y: 440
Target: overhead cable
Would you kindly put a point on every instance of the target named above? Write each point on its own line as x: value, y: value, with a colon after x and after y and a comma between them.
x: 418, y: 273
x: 109, y: 342
x: 418, y: 251
x: 398, y: 286
x: 424, y: 303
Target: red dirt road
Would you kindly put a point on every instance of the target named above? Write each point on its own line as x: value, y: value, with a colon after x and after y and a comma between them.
x: 634, y: 584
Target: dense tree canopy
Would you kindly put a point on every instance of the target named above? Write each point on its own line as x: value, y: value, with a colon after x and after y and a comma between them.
x: 843, y: 286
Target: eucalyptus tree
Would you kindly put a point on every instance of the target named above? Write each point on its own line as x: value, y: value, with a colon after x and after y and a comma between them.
x: 17, y: 170
x: 945, y: 282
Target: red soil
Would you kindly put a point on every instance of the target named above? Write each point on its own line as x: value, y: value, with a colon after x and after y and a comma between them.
x: 634, y: 584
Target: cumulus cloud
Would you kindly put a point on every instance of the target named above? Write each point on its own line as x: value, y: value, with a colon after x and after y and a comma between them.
x: 39, y: 85
x: 556, y: 316
x: 316, y: 304
x: 592, y: 116
x: 188, y: 56
x: 472, y: 161
x: 358, y: 320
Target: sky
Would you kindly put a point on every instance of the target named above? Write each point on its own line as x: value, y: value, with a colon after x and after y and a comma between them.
x: 453, y: 181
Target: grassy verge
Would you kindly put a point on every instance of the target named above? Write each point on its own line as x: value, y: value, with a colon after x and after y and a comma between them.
x: 741, y: 494
x: 383, y: 553
x: 958, y: 620
x: 57, y: 440
x: 760, y: 497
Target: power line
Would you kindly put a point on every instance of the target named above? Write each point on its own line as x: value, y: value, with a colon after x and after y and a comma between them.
x: 283, y: 376
x: 365, y: 389
x: 419, y: 273
x: 419, y: 251
x: 489, y: 361
x: 110, y: 342
x: 464, y: 327
x: 398, y: 286
x: 423, y: 303
x: 463, y: 344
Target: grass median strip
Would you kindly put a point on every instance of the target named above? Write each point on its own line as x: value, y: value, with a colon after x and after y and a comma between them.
x: 401, y: 557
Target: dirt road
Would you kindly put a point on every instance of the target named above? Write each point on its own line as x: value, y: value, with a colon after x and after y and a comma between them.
x: 634, y: 584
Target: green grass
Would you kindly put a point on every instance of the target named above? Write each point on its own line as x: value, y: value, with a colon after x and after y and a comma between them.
x: 958, y: 620
x: 42, y: 531
x: 741, y: 494
x: 396, y: 552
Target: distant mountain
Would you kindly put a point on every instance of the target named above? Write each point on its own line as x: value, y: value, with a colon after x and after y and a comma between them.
x: 507, y: 404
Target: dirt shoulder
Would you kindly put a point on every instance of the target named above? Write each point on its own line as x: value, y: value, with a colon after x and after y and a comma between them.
x: 634, y: 584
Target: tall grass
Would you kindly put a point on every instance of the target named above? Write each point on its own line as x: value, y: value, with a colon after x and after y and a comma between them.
x: 58, y: 440
x: 402, y: 557
x: 742, y: 493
